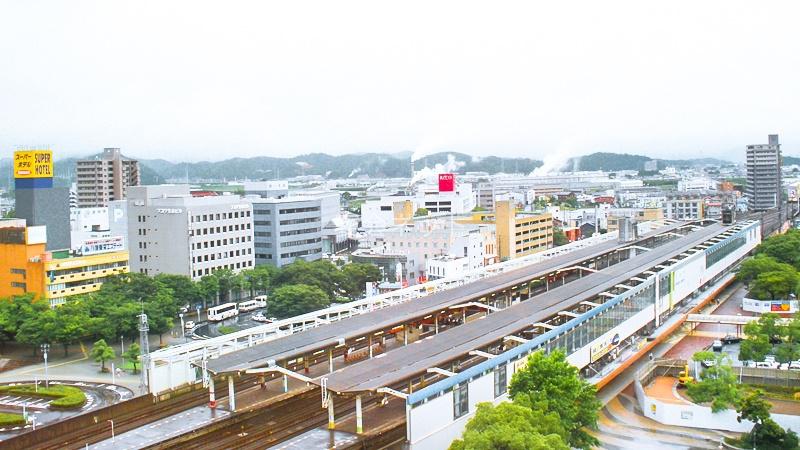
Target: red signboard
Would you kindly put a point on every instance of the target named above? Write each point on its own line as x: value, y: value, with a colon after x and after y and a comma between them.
x: 447, y: 182
x: 780, y: 307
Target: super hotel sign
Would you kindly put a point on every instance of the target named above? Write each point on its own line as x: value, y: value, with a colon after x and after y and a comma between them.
x: 33, y: 169
x: 33, y: 164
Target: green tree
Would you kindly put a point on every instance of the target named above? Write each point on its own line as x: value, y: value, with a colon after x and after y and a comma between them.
x: 754, y: 348
x: 421, y: 212
x: 753, y: 267
x: 16, y: 311
x: 783, y: 247
x: 295, y: 299
x: 512, y: 427
x: 774, y: 285
x: 102, y: 352
x: 551, y: 380
x: 71, y: 324
x: 559, y: 238
x: 184, y: 290
x: 132, y: 354
x: 209, y: 290
x: 765, y: 434
x: 38, y: 329
x: 321, y: 274
x: 719, y: 384
x: 355, y: 277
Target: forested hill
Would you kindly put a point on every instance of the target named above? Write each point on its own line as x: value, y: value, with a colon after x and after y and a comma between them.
x: 156, y: 171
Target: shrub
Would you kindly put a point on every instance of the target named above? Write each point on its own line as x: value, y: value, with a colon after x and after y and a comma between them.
x: 8, y: 419
x: 64, y: 397
x: 225, y: 329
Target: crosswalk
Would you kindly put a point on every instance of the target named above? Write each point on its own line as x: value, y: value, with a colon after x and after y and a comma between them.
x: 28, y: 402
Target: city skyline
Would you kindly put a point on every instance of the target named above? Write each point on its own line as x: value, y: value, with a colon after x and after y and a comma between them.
x: 192, y: 82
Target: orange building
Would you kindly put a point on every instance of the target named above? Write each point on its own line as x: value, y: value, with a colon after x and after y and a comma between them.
x: 26, y: 268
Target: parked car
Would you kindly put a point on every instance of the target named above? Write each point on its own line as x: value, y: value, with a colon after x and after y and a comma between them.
x: 794, y: 365
x: 731, y: 339
x: 260, y: 317
x: 709, y: 363
x: 189, y: 324
x: 717, y: 346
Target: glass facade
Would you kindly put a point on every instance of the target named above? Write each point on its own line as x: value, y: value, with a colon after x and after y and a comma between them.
x: 460, y: 400
x: 595, y: 327
x: 717, y: 253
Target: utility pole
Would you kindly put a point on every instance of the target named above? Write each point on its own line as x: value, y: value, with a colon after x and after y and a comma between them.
x: 145, y: 346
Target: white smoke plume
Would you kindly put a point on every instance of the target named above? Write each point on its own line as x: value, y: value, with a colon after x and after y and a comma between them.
x: 430, y: 175
x: 556, y: 161
x: 354, y: 172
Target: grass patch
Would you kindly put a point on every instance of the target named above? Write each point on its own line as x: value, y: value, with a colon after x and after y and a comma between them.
x: 9, y: 419
x: 776, y: 392
x: 64, y: 397
x: 226, y: 329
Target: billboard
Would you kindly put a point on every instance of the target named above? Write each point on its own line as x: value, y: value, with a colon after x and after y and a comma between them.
x: 447, y: 182
x: 600, y: 349
x: 33, y: 169
x: 780, y: 307
x: 102, y: 245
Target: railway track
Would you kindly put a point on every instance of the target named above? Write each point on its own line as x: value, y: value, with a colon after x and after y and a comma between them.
x: 261, y: 427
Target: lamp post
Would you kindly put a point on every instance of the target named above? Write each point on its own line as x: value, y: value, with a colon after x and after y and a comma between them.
x: 122, y: 350
x: 183, y: 328
x: 45, y: 348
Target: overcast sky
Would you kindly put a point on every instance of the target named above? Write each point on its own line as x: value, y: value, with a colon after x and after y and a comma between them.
x: 191, y: 80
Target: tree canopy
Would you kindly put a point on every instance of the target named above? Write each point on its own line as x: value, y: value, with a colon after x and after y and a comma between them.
x: 508, y: 426
x: 295, y: 299
x: 551, y: 381
x: 719, y: 384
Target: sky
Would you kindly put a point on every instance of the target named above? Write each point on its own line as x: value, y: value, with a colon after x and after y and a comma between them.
x: 196, y: 80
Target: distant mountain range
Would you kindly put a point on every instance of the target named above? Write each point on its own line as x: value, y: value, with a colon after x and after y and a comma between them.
x: 154, y: 171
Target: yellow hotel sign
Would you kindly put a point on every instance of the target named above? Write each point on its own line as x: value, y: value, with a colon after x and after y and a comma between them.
x: 33, y: 164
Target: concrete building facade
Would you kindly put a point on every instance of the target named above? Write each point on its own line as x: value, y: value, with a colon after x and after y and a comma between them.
x: 169, y: 231
x: 287, y: 229
x: 764, y: 185
x: 105, y: 178
x: 26, y: 267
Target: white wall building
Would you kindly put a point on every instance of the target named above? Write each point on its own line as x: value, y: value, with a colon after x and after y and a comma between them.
x: 172, y: 232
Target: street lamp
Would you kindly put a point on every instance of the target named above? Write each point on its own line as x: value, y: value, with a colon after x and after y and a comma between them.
x: 45, y: 348
x: 183, y: 328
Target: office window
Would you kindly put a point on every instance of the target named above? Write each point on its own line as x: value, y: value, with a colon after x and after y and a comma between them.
x: 500, y: 380
x: 460, y: 400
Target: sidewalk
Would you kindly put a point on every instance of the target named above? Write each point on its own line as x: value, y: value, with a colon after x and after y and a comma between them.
x: 78, y: 365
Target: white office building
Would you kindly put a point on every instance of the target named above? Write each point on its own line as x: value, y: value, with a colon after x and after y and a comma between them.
x: 169, y: 231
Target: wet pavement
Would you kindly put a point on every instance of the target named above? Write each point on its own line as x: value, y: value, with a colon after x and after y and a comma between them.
x: 318, y: 438
x: 162, y: 429
x: 98, y: 395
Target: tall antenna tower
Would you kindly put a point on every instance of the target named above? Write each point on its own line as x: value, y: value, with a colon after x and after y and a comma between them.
x: 144, y: 344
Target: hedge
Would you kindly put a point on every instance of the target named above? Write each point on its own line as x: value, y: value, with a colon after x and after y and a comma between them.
x: 65, y: 397
x: 8, y: 419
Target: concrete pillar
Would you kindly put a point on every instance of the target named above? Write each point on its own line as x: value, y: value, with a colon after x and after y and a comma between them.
x: 285, y: 383
x: 305, y: 364
x: 405, y: 334
x: 369, y: 344
x: 330, y: 360
x: 331, y: 417
x: 436, y: 323
x: 231, y: 394
x: 212, y: 399
x: 359, y: 417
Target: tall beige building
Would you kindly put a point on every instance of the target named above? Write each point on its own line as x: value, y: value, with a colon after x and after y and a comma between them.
x: 105, y: 178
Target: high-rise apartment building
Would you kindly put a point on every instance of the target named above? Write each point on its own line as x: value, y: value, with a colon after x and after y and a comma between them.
x: 170, y: 231
x: 764, y: 175
x: 105, y: 178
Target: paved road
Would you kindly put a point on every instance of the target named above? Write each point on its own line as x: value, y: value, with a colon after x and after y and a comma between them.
x: 163, y: 429
x: 98, y: 395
